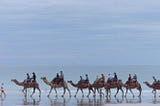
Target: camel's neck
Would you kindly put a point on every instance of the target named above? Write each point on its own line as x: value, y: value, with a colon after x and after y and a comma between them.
x: 47, y: 82
x: 18, y: 83
x: 73, y: 84
x: 148, y: 84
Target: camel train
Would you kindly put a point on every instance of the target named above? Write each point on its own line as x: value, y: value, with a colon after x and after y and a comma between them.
x: 97, y: 85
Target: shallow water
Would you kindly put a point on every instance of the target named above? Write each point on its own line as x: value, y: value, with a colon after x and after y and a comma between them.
x: 17, y: 99
x: 15, y: 96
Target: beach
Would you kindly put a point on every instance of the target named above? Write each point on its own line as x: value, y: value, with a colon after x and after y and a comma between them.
x: 16, y: 98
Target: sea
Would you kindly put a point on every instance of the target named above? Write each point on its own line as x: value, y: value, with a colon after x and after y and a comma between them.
x: 14, y: 92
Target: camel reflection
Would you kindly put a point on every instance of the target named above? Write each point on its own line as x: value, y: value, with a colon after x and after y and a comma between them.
x: 133, y: 100
x: 115, y: 100
x: 156, y: 101
x: 90, y: 102
x: 31, y: 101
x: 59, y: 101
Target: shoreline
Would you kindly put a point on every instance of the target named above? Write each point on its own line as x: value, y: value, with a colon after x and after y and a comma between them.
x: 18, y: 99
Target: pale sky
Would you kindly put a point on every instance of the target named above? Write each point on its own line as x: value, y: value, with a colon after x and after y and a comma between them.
x: 79, y: 32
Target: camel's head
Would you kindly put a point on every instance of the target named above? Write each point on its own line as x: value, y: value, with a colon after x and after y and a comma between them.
x: 145, y: 82
x: 43, y: 78
x: 69, y: 81
x: 13, y: 80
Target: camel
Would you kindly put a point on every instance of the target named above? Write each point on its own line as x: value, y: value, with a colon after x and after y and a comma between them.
x: 98, y: 86
x: 129, y: 85
x: 113, y: 85
x: 33, y: 85
x: 82, y: 86
x: 154, y: 86
x: 54, y: 86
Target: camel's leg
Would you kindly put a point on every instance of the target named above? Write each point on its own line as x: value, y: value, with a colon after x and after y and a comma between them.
x: 33, y: 92
x: 82, y: 92
x: 55, y: 91
x: 64, y: 91
x: 140, y: 91
x: 88, y: 92
x: 94, y: 92
x: 102, y: 94
x: 126, y: 92
x: 155, y: 93
x: 107, y: 91
x: 76, y: 92
x: 90, y: 89
x: 131, y: 92
x: 68, y: 91
x: 116, y: 92
x: 39, y: 91
x: 24, y: 90
x: 122, y: 92
x: 50, y: 91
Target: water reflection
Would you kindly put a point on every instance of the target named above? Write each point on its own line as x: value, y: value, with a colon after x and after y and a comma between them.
x: 156, y: 101
x: 133, y: 100
x: 59, y: 101
x: 2, y: 100
x: 115, y: 100
x: 90, y: 102
x: 31, y: 101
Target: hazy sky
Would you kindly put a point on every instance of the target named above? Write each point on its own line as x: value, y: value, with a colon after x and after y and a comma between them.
x: 79, y: 32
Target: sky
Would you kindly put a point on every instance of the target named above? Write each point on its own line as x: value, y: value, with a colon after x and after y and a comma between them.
x: 79, y: 32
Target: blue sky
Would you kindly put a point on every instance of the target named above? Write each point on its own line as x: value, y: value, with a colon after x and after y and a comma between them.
x: 79, y: 32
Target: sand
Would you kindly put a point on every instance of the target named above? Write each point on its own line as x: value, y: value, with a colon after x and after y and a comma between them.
x: 18, y: 99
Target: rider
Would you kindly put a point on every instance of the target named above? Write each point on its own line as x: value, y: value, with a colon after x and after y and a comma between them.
x: 109, y: 78
x: 102, y: 79
x: 87, y: 79
x: 81, y: 79
x: 33, y: 77
x: 55, y: 79
x: 61, y: 77
x: 155, y: 80
x: 135, y: 78
x: 97, y: 79
x: 115, y: 77
x: 129, y: 78
x: 28, y: 79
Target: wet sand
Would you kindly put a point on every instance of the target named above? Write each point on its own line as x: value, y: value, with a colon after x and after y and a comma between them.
x: 18, y: 99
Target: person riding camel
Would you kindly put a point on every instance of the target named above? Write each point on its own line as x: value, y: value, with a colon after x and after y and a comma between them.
x: 55, y: 79
x: 87, y: 79
x: 129, y: 78
x: 115, y: 77
x: 81, y: 80
x: 97, y: 79
x: 28, y: 79
x: 61, y: 77
x: 33, y: 77
x: 155, y: 80
x: 110, y: 78
x: 135, y: 78
x: 102, y: 79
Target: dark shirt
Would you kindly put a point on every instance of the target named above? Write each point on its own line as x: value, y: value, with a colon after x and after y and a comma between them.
x: 34, y: 77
